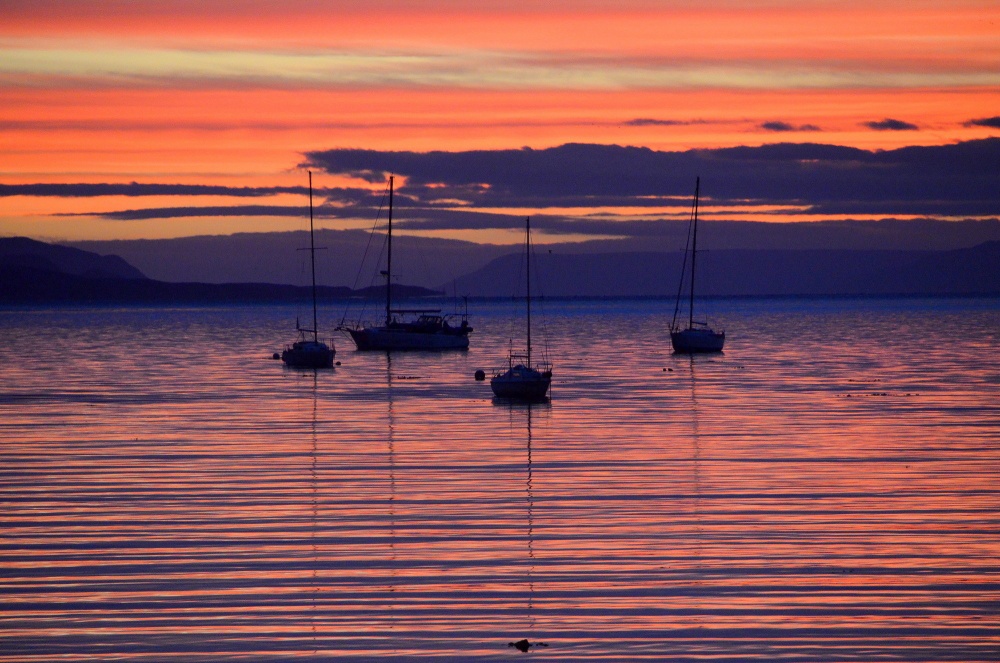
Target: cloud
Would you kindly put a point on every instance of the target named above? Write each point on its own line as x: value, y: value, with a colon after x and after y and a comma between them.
x: 889, y: 124
x: 587, y: 175
x: 650, y: 122
x: 195, y: 211
x: 195, y: 66
x: 991, y: 122
x: 924, y: 208
x: 614, y: 190
x: 136, y: 189
x: 777, y: 126
x: 785, y: 126
x: 490, y: 177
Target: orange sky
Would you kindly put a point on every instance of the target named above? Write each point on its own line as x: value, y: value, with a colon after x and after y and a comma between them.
x: 235, y: 92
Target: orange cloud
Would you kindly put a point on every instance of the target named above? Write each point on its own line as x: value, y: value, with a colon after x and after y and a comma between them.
x: 238, y: 91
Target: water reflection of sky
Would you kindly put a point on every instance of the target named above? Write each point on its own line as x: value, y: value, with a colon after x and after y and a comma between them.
x: 825, y: 490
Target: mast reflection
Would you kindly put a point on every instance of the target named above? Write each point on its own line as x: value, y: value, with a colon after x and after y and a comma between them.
x: 515, y: 410
x: 391, y: 462
x: 314, y: 469
x: 695, y: 438
x: 696, y: 517
x: 530, y: 502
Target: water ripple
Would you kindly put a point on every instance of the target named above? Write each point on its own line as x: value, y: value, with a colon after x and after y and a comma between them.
x: 825, y: 490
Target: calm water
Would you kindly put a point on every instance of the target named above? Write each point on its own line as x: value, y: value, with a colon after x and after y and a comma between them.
x: 826, y: 490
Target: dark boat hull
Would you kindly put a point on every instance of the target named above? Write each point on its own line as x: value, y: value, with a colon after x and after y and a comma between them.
x: 308, y: 354
x: 388, y: 338
x: 689, y: 341
x: 520, y: 383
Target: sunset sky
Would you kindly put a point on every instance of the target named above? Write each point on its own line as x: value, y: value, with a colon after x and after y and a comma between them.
x: 214, y: 109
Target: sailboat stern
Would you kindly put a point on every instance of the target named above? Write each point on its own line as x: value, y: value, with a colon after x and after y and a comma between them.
x: 520, y: 382
x: 309, y: 354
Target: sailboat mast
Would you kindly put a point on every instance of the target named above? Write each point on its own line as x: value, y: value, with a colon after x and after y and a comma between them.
x: 694, y: 251
x: 312, y: 255
x: 527, y: 253
x: 388, y: 263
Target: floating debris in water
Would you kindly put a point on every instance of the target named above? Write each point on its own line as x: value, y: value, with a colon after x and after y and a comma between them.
x: 878, y: 393
x: 524, y: 645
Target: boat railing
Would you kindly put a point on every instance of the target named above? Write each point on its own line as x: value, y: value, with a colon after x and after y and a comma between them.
x: 515, y: 358
x: 697, y: 326
x: 431, y: 314
x: 414, y: 311
x: 426, y: 321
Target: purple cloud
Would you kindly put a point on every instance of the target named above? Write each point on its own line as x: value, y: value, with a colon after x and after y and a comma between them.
x: 785, y: 126
x: 991, y: 122
x: 650, y: 122
x: 889, y: 124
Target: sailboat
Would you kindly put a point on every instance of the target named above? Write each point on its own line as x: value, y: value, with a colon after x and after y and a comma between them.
x: 306, y: 352
x: 520, y: 379
x: 698, y: 337
x: 408, y: 329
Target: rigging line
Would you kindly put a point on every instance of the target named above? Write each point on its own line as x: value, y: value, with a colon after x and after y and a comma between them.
x: 533, y: 256
x: 433, y: 259
x: 376, y: 273
x: 364, y: 257
x: 516, y: 286
x: 680, y: 284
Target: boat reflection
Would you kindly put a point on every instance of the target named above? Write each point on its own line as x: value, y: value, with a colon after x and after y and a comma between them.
x: 699, y: 534
x: 392, y: 562
x: 784, y: 502
x: 529, y: 504
x: 314, y: 471
x: 520, y: 413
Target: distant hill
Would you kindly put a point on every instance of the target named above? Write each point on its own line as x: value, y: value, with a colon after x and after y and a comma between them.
x: 26, y: 285
x: 974, y: 270
x: 277, y: 257
x: 348, y: 256
x: 34, y: 272
x: 22, y: 252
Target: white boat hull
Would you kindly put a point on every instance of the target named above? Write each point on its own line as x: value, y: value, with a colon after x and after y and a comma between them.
x: 697, y: 340
x: 382, y: 338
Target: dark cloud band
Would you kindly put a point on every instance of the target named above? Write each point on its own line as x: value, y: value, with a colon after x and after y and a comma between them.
x: 630, y: 186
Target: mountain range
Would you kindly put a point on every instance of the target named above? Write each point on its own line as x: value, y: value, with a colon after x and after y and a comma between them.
x: 348, y: 257
x: 32, y: 271
x: 975, y: 270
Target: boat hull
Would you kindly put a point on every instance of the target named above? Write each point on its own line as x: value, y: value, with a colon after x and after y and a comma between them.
x: 690, y: 341
x: 308, y: 354
x: 520, y: 383
x: 383, y: 338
